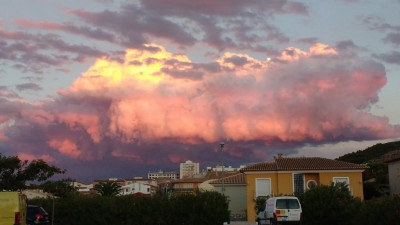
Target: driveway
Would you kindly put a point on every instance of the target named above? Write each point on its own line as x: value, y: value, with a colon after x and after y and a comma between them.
x: 242, y: 223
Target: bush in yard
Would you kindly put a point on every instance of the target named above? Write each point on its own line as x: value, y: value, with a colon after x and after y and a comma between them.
x: 260, y: 204
x: 329, y: 205
x: 209, y: 208
x: 384, y: 210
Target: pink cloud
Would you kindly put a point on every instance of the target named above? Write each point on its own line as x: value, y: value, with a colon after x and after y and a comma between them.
x: 66, y: 147
x: 252, y: 100
x: 135, y: 110
x: 30, y: 157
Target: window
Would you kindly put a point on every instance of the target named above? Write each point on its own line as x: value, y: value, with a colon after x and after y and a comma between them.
x: 298, y: 183
x: 287, y: 204
x: 344, y: 180
x: 263, y: 187
x: 311, y: 184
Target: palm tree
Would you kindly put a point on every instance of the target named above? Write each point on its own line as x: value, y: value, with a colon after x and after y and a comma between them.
x: 108, y: 189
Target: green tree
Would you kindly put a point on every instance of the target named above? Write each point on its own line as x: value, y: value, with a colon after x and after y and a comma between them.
x: 60, y: 188
x: 377, y: 176
x: 15, y: 173
x: 108, y: 189
x: 329, y: 205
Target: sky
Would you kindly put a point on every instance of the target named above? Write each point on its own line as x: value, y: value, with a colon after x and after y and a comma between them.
x: 113, y: 88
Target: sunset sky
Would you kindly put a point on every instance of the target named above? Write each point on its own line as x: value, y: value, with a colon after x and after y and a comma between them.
x: 108, y: 88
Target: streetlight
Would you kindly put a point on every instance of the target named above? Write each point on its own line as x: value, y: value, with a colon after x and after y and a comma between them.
x: 222, y: 150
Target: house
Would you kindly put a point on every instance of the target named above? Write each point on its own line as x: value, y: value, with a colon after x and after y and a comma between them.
x: 132, y: 188
x: 234, y: 187
x: 153, y: 184
x: 36, y: 193
x: 198, y: 182
x: 394, y: 174
x: 186, y: 185
x: 288, y: 176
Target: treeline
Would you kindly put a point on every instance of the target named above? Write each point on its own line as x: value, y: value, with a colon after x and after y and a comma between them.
x: 374, y: 152
x: 209, y: 208
x: 376, y: 178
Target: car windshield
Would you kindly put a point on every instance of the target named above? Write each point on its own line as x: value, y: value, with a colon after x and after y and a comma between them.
x: 287, y: 204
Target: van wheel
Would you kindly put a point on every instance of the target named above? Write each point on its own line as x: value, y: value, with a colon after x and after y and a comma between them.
x: 273, y: 222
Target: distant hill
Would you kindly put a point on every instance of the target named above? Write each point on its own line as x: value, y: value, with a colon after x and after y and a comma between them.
x: 370, y: 153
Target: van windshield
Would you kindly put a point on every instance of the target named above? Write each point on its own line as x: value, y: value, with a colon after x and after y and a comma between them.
x: 287, y: 204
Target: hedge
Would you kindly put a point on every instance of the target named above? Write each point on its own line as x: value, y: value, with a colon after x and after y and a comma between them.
x: 209, y: 208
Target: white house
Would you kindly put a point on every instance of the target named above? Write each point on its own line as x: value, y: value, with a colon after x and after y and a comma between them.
x: 131, y: 188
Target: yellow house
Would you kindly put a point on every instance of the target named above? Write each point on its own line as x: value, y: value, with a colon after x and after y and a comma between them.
x: 288, y: 176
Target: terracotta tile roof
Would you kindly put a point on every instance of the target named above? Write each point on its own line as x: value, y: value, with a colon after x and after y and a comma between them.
x: 218, y: 174
x: 233, y: 179
x: 210, y: 175
x: 303, y: 163
x: 264, y: 166
x: 188, y: 180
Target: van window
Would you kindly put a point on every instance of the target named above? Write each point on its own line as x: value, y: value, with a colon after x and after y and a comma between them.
x: 287, y: 204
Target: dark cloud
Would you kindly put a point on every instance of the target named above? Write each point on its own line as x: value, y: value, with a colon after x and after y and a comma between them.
x: 132, y: 26
x: 392, y: 57
x: 236, y: 60
x: 345, y: 45
x: 225, y: 8
x: 218, y: 24
x: 38, y: 52
x: 242, y: 25
x: 377, y: 23
x: 28, y: 86
x: 308, y: 40
x: 92, y: 33
x: 393, y: 38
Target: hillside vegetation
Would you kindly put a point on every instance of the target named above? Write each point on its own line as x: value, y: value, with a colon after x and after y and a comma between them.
x: 371, y: 153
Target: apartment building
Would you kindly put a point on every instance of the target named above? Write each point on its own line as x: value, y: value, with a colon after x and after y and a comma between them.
x: 189, y: 169
x: 163, y: 174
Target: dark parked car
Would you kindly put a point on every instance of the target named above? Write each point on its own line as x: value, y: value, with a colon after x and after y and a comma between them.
x: 36, y: 215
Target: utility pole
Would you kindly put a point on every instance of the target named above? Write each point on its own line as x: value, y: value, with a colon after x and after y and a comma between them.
x: 222, y: 151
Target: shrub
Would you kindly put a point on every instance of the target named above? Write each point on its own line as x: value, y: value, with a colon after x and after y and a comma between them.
x: 329, y: 205
x: 260, y: 204
x: 385, y: 210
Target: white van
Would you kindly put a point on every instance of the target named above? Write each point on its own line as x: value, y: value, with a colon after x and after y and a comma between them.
x: 281, y: 210
x: 12, y: 208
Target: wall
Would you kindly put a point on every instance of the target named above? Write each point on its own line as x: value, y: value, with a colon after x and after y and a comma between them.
x: 236, y: 194
x: 355, y: 179
x: 394, y: 177
x: 251, y: 187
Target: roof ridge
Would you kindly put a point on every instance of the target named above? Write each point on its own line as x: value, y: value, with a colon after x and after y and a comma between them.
x: 303, y: 163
